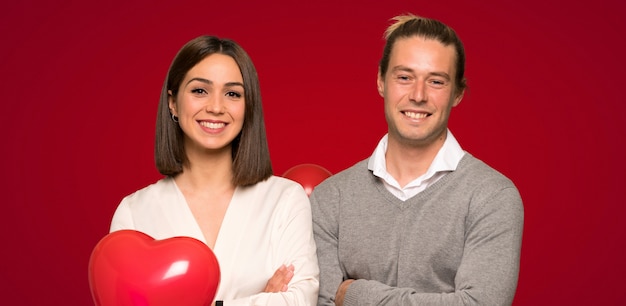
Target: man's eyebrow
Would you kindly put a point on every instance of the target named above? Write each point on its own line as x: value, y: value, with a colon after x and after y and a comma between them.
x: 441, y: 74
x: 402, y: 68
x: 434, y: 73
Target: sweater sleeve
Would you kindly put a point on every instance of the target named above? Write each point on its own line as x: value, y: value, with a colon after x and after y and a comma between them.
x: 324, y: 206
x: 489, y: 268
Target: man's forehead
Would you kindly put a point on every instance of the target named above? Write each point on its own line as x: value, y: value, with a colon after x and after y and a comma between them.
x: 417, y: 51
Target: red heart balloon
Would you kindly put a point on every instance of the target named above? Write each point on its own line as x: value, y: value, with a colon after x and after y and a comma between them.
x: 308, y: 175
x: 128, y: 267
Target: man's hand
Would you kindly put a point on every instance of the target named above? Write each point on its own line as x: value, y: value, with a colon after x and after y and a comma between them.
x: 280, y: 279
x: 341, y: 291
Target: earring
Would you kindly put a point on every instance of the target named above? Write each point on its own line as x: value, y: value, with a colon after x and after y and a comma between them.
x: 174, y: 118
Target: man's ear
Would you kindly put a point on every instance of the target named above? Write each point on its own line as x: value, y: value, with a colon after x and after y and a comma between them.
x: 458, y: 98
x: 380, y: 84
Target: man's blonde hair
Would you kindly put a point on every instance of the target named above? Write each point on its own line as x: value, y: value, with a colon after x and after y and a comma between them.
x: 409, y: 25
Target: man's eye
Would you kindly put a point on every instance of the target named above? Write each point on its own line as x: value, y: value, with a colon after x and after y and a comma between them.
x: 437, y: 82
x: 403, y: 78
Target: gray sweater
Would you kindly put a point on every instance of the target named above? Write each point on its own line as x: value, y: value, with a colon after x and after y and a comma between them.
x: 456, y: 243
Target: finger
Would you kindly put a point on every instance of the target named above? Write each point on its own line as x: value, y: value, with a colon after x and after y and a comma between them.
x: 281, y: 277
x: 288, y: 276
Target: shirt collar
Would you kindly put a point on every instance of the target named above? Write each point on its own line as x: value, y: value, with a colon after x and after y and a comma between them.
x: 447, y: 159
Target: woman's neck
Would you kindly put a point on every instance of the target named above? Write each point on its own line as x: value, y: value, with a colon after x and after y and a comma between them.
x: 207, y: 171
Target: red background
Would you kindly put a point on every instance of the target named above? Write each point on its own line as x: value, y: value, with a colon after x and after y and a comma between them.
x: 81, y: 81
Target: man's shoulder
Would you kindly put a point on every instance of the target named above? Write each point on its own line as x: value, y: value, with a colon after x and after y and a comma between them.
x: 351, y: 176
x: 358, y: 169
x: 482, y: 173
x: 477, y: 166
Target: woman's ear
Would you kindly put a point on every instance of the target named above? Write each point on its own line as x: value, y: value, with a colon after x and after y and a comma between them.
x: 171, y: 103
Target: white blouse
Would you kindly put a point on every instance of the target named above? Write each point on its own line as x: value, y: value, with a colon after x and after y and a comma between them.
x: 265, y: 226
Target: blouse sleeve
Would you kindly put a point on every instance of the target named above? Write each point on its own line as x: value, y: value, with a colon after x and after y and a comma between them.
x: 122, y: 218
x: 293, y: 243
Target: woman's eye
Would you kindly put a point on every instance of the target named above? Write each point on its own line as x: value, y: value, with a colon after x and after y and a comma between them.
x: 198, y: 91
x: 233, y: 94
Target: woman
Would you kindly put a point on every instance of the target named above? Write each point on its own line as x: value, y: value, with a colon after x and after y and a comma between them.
x: 219, y: 188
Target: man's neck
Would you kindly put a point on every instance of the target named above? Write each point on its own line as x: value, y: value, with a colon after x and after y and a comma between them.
x: 406, y: 162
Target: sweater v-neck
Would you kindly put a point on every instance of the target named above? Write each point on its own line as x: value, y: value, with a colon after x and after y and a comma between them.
x: 420, y: 197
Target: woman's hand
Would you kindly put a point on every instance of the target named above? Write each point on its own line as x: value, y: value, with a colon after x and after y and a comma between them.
x: 280, y: 279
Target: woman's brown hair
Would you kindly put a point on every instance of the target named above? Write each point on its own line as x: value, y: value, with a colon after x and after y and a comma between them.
x: 251, y: 161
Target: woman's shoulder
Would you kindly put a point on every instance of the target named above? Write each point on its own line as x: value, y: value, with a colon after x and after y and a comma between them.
x: 153, y: 191
x: 278, y: 182
x: 275, y: 187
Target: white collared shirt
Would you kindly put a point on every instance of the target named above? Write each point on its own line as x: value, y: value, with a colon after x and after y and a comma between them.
x: 445, y: 161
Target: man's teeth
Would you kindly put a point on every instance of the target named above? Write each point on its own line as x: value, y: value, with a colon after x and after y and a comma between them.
x: 213, y: 125
x: 415, y: 115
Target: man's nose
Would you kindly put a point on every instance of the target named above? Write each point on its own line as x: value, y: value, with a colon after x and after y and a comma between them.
x: 418, y: 92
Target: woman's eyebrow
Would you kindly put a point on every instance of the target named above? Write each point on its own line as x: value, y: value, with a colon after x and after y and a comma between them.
x: 200, y: 80
x: 230, y: 84
x: 209, y: 82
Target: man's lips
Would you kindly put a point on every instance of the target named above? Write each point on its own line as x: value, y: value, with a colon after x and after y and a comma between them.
x: 416, y: 115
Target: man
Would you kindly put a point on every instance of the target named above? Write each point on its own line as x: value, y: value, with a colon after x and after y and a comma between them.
x: 420, y: 222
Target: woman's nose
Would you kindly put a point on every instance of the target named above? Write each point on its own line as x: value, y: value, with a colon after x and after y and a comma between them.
x: 215, y: 104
